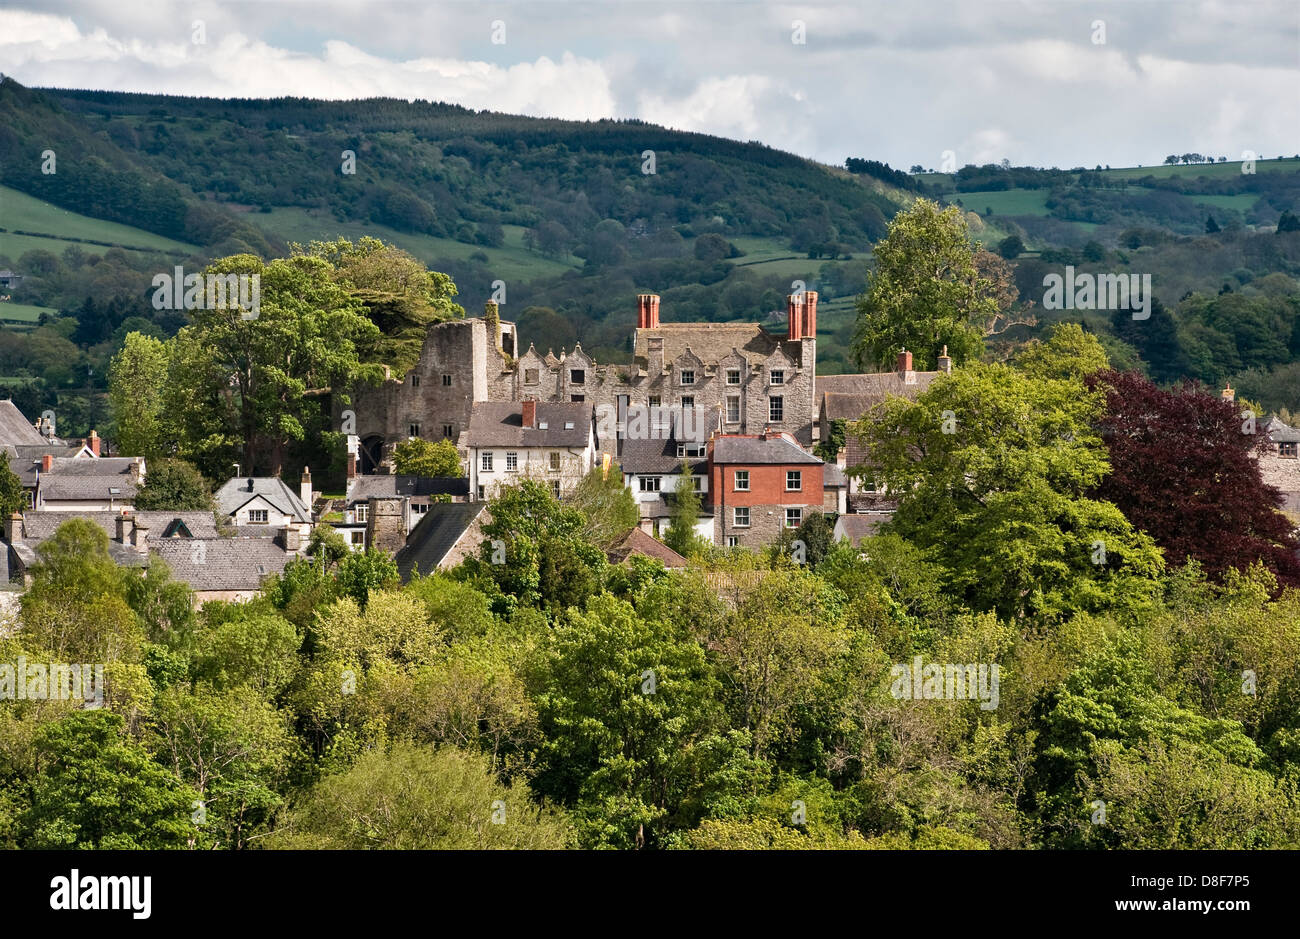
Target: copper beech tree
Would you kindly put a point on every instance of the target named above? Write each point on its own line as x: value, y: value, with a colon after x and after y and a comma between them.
x: 1184, y: 469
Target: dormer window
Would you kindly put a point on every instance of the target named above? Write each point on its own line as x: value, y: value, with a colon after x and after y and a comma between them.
x: 776, y: 376
x: 1287, y: 450
x: 530, y: 376
x: 733, y: 376
x: 578, y: 376
x: 688, y: 376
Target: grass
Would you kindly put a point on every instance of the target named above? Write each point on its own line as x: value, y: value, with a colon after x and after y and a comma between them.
x: 1242, y: 202
x: 512, y: 261
x: 1006, y: 202
x: 24, y: 313
x: 21, y: 212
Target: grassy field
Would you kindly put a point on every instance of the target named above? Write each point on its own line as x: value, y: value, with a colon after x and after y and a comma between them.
x: 1241, y: 202
x: 1007, y: 202
x: 23, y: 313
x: 769, y: 256
x: 512, y: 259
x: 21, y: 212
x: 1188, y: 171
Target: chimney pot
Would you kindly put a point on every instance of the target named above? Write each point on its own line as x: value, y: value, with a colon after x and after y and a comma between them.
x: 808, y: 327
x: 945, y: 361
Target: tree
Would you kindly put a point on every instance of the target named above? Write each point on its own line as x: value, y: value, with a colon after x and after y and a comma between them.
x: 417, y: 798
x: 1211, y: 226
x: 174, y: 486
x: 137, y: 379
x: 246, y: 388
x: 96, y: 788
x: 1011, y: 247
x: 925, y: 291
x: 607, y: 504
x: 416, y: 456
x: 1288, y: 221
x: 364, y: 571
x: 13, y: 498
x: 1069, y: 353
x: 1184, y: 469
x: 681, y: 535
x: 994, y: 471
x: 829, y: 449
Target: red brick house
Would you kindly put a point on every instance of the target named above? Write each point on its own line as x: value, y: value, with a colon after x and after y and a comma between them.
x: 760, y: 484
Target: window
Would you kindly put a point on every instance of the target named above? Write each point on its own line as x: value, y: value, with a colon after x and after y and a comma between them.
x: 358, y: 537
x: 793, y: 480
x: 742, y: 481
x: 420, y: 508
x: 485, y: 462
x: 1287, y: 450
x: 776, y: 376
x: 650, y: 483
x: 257, y: 516
x: 555, y: 461
x: 530, y: 376
x: 776, y: 409
x: 697, y: 483
x: 480, y: 492
x: 793, y: 517
x: 578, y: 376
x: 733, y: 409
x: 512, y: 462
x: 690, y: 449
x: 415, y: 381
x: 868, y: 484
x: 413, y: 430
x: 449, y: 431
x: 733, y: 376
x: 654, y: 401
x: 578, y: 398
x: 733, y: 541
x: 688, y: 376
x: 688, y: 401
x: 740, y: 516
x: 446, y: 381
x: 555, y: 488
x: 360, y: 512
x: 568, y: 425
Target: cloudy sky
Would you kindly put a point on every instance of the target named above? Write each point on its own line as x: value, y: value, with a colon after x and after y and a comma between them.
x: 1041, y: 82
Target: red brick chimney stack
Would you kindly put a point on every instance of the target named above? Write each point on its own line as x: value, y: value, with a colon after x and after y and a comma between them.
x: 530, y: 413
x: 47, y: 462
x: 794, y: 311
x: 904, y: 361
x: 809, y: 326
x: 93, y: 443
x: 647, y: 311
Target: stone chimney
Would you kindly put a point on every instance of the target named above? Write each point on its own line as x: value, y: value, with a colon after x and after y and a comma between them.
x: 304, y: 487
x: 13, y: 525
x: 291, y: 538
x: 386, y: 524
x: 352, y: 466
x: 137, y: 471
x: 647, y: 311
x: 654, y: 350
x: 492, y: 316
x: 47, y: 462
x: 124, y: 525
x: 809, y: 327
x: 140, y: 537
x: 530, y: 413
x: 1228, y: 394
x: 794, y: 316
x: 945, y: 361
x: 93, y: 442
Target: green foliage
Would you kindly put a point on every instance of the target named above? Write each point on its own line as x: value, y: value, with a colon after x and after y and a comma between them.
x: 364, y: 571
x: 174, y: 486
x: 684, y: 515
x: 829, y: 449
x: 416, y: 456
x: 607, y: 504
x: 13, y: 498
x: 137, y: 381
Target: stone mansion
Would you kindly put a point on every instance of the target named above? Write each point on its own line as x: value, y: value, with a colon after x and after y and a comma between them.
x: 752, y: 379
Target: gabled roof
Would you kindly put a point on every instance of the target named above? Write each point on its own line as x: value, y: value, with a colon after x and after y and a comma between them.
x: 238, y: 492
x: 638, y: 542
x: 712, y: 342
x: 875, y: 385
x: 222, y: 563
x: 38, y: 526
x: 776, y: 449
x: 434, y: 537
x: 15, y: 428
x: 1279, y: 432
x: 25, y: 459
x: 499, y: 424
x: 75, y: 480
x: 654, y: 448
x: 365, y: 488
x: 856, y: 527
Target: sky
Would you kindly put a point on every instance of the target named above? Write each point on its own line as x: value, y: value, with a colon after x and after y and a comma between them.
x: 1041, y: 83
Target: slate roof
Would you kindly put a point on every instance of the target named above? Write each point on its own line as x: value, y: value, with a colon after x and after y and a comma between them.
x: 857, y: 527
x: 25, y: 459
x: 15, y: 428
x: 658, y: 454
x: 712, y: 342
x: 874, y: 385
x: 1281, y: 433
x: 235, y: 493
x: 638, y: 542
x: 501, y: 424
x: 775, y: 449
x: 74, y: 480
x: 435, y: 535
x: 222, y: 563
x: 365, y: 488
x: 834, y: 478
x: 38, y: 526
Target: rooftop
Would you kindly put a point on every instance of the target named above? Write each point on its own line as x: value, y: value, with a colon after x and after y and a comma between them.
x: 499, y: 424
x: 238, y: 492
